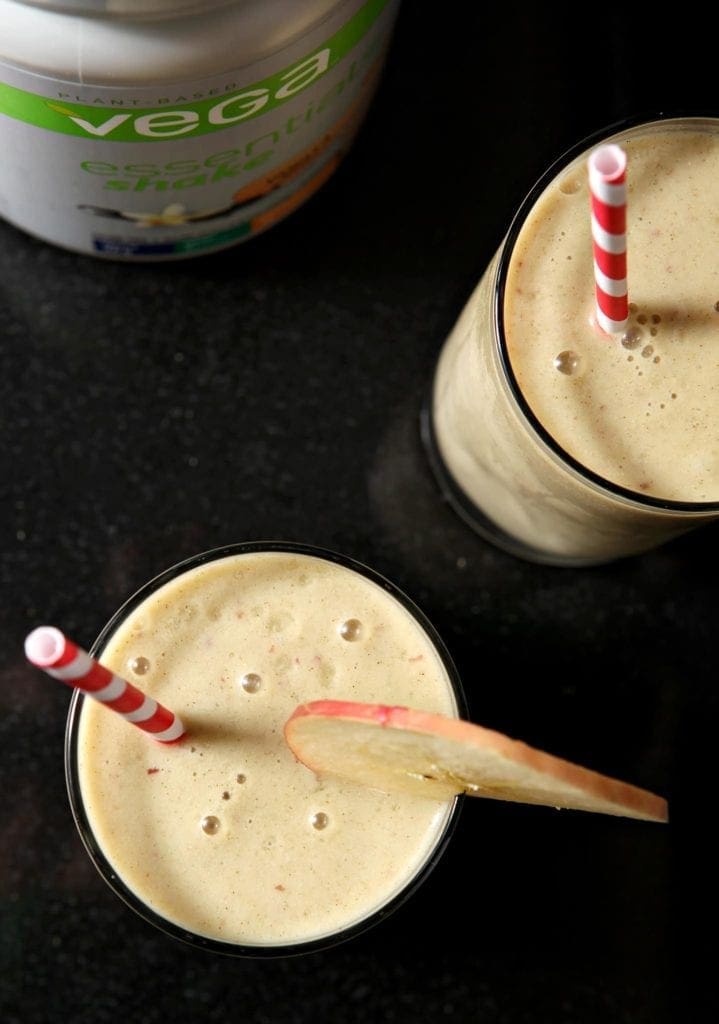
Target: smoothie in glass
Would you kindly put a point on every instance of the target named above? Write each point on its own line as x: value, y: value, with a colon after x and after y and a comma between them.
x: 223, y: 839
x: 561, y: 443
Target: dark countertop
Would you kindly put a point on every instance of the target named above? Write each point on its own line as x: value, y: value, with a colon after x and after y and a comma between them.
x: 272, y: 391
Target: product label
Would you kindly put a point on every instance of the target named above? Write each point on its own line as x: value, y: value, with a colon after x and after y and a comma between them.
x: 173, y: 170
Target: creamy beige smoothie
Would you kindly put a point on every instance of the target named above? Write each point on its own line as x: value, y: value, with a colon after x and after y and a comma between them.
x: 224, y: 834
x: 639, y: 411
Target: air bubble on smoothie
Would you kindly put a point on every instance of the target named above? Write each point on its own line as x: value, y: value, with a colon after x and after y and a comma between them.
x: 241, y: 778
x: 319, y: 821
x: 351, y: 630
x: 140, y: 666
x: 656, y: 319
x: 631, y: 338
x: 647, y: 351
x: 642, y: 318
x: 251, y: 682
x: 571, y: 184
x: 210, y: 825
x: 567, y: 362
x: 653, y: 331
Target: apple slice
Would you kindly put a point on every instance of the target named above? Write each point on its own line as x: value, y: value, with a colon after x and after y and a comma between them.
x: 401, y: 749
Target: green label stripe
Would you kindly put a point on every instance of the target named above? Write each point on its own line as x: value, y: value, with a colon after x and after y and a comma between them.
x: 116, y: 123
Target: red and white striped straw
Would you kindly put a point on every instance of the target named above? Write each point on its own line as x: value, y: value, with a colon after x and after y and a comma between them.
x: 608, y: 190
x: 49, y: 649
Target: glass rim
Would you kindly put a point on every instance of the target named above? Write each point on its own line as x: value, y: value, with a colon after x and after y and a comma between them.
x: 72, y: 780
x: 608, y: 133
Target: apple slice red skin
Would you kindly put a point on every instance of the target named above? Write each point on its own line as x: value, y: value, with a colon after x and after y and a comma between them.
x: 610, y: 795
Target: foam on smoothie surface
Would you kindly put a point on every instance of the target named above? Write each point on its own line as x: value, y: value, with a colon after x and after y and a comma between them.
x: 226, y: 834
x: 642, y: 411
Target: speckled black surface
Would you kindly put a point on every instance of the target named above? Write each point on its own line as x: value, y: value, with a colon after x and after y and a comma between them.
x: 273, y: 392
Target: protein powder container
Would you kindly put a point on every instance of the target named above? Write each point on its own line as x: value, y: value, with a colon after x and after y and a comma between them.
x: 163, y: 129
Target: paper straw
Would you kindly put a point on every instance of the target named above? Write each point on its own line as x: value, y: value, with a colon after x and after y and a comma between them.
x: 608, y: 190
x: 49, y: 649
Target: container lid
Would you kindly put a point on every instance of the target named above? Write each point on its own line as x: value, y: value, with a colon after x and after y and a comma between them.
x: 130, y: 8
